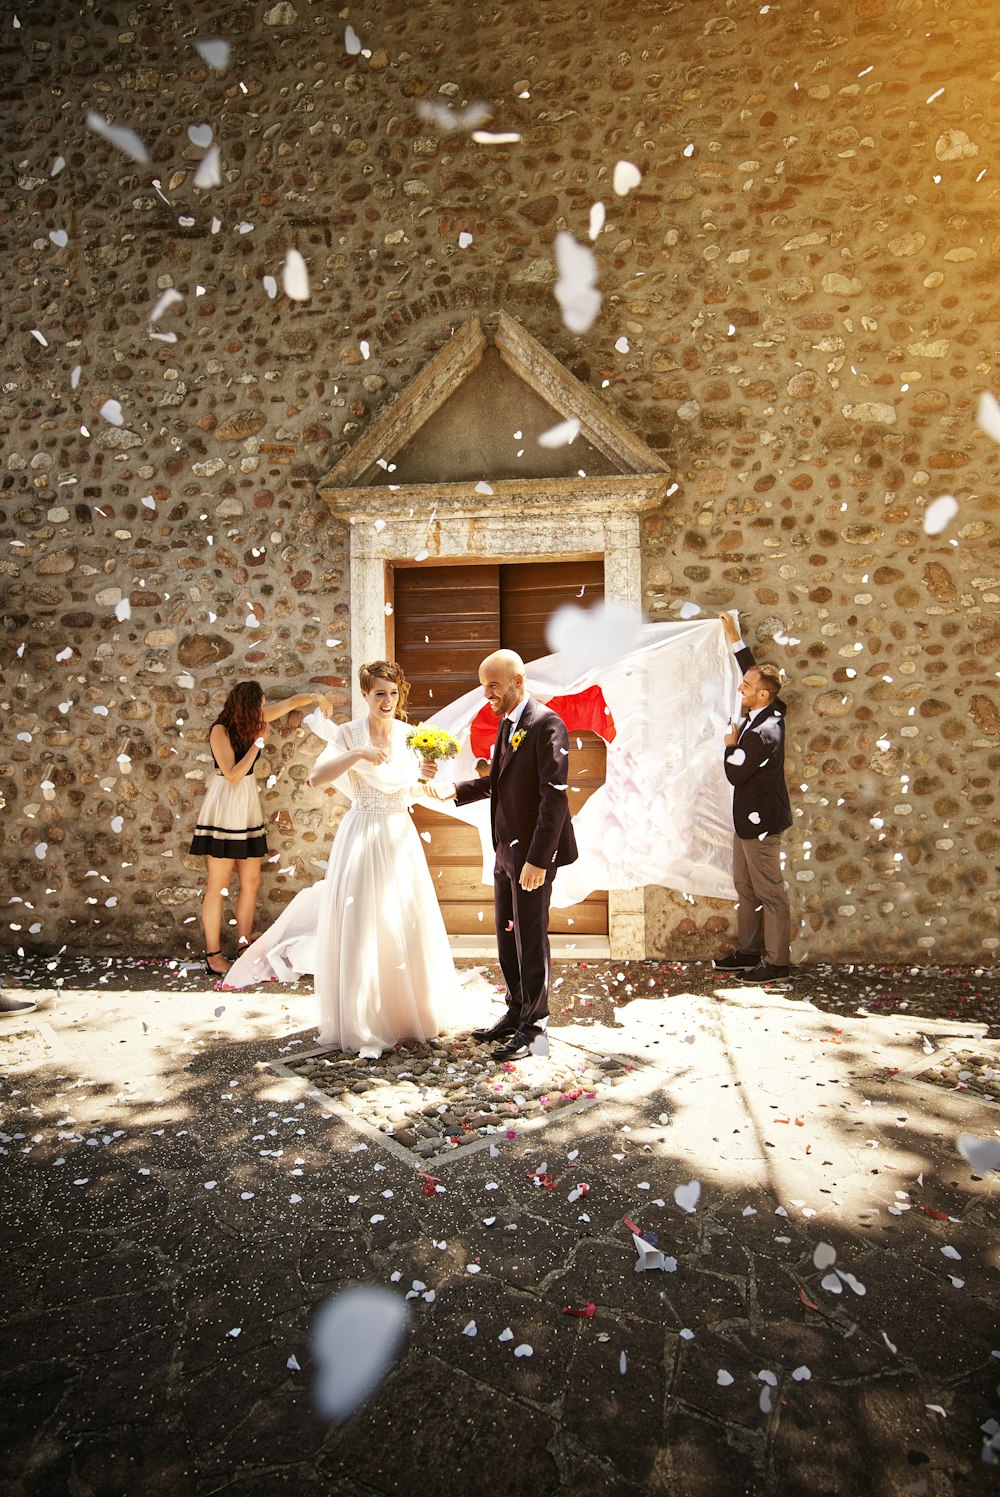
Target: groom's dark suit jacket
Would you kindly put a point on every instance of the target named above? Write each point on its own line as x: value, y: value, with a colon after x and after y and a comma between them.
x: 760, y: 795
x: 529, y: 803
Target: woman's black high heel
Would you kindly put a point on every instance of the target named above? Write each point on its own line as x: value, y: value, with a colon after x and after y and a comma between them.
x: 208, y: 963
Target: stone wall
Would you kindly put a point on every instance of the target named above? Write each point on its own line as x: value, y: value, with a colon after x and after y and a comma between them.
x: 800, y: 312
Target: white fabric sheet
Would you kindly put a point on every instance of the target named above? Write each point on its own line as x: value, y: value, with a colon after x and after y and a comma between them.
x: 664, y: 815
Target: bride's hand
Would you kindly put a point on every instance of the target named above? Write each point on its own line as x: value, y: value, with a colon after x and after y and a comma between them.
x: 373, y: 755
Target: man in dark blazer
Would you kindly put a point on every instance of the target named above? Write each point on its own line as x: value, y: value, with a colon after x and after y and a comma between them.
x: 755, y: 767
x: 533, y: 836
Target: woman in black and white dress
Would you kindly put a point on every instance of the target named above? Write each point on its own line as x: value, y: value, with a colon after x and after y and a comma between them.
x: 230, y: 831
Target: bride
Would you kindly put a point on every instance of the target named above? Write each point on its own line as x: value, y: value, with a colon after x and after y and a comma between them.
x: 371, y: 932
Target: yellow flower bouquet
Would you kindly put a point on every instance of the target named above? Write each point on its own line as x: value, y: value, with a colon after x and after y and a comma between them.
x: 431, y: 743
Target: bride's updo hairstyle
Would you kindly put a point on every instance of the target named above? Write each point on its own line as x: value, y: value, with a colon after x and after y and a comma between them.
x: 386, y: 670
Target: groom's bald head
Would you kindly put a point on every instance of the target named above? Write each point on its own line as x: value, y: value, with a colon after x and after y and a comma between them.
x: 502, y: 678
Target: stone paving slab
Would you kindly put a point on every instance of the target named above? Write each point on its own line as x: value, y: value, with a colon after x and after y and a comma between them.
x: 219, y: 1198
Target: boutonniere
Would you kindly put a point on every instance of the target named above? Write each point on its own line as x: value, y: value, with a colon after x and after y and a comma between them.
x: 516, y: 739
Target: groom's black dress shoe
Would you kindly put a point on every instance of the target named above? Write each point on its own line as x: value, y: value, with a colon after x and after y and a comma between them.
x: 500, y: 1031
x: 518, y: 1047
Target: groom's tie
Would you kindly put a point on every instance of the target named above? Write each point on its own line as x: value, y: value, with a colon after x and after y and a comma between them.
x: 503, y: 740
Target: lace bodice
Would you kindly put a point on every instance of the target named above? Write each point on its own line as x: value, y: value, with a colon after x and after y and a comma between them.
x: 366, y: 793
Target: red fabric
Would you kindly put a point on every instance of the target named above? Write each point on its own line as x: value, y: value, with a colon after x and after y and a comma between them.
x: 583, y: 711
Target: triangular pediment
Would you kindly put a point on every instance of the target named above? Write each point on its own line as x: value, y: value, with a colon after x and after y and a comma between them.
x: 474, y: 415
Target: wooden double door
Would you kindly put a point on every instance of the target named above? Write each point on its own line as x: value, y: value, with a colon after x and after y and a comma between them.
x: 444, y: 621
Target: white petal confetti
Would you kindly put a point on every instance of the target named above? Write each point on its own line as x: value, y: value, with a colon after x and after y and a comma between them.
x: 988, y: 415
x: 200, y: 135
x: 724, y: 1378
x: 801, y: 1375
x: 209, y: 173
x: 687, y: 1196
x: 123, y: 139
x: 524, y: 1350
x: 295, y: 277
x: 576, y: 289
x: 506, y: 1335
x: 355, y: 1339
x: 59, y: 238
x: 471, y: 1329
x: 982, y: 1153
x: 626, y: 176
x: 597, y: 217
x: 940, y: 514
x: 824, y: 1255
x: 352, y: 42
x: 561, y: 435
x: 215, y: 51
x: 112, y: 412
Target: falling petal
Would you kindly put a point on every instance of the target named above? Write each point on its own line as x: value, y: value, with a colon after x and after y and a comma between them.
x: 352, y: 42
x: 161, y: 304
x: 561, y: 435
x: 295, y: 277
x: 209, y: 173
x: 983, y: 1154
x: 597, y: 216
x: 576, y: 288
x: 123, y: 139
x: 940, y: 514
x: 215, y: 51
x: 626, y: 176
x: 988, y: 415
x: 200, y: 135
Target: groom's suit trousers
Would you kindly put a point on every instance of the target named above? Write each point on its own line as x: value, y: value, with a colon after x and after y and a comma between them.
x: 522, y: 926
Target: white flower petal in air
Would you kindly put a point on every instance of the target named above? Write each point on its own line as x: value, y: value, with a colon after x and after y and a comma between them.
x: 162, y: 303
x: 215, y: 51
x: 621, y: 344
x: 592, y: 637
x: 982, y: 1153
x: 57, y: 166
x: 444, y: 118
x: 40, y: 336
x: 561, y: 435
x: 121, y: 138
x: 200, y: 135
x: 123, y: 610
x: 988, y: 415
x: 74, y: 377
x: 295, y: 277
x: 626, y: 176
x: 355, y: 1339
x: 687, y: 1196
x: 271, y: 286
x: 209, y: 173
x: 111, y: 411
x: 491, y: 138
x: 59, y: 238
x: 939, y: 515
x: 464, y: 239
x: 688, y: 610
x: 352, y: 42
x: 597, y: 216
x: 576, y: 289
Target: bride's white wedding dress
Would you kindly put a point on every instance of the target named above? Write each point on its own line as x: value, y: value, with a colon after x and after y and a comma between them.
x: 371, y: 932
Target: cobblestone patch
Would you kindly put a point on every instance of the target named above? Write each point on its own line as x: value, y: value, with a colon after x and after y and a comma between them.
x: 437, y: 1097
x: 970, y: 1070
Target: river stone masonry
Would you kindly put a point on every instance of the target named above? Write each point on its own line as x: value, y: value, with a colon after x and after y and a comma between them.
x: 800, y: 314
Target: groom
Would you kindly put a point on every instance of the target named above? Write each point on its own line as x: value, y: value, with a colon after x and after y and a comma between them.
x: 532, y: 835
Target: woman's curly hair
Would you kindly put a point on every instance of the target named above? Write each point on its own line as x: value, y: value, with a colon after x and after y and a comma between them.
x: 242, y: 715
x: 386, y: 670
